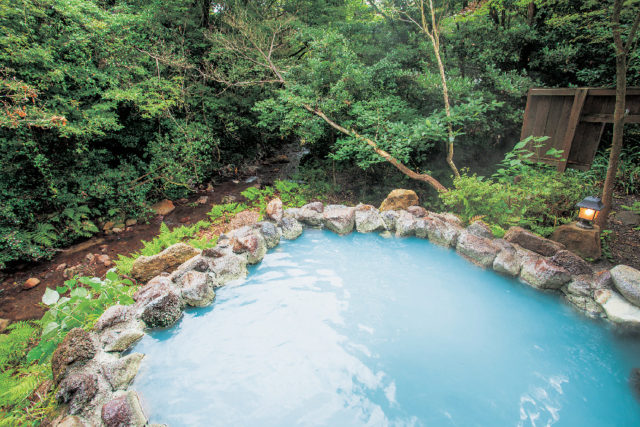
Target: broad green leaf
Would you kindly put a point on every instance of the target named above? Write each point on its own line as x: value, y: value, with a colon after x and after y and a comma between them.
x: 50, y: 297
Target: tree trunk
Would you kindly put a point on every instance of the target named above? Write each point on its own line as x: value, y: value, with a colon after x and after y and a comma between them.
x: 618, y: 114
x: 388, y: 157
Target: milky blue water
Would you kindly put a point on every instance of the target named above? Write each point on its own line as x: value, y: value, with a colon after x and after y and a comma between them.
x: 362, y: 330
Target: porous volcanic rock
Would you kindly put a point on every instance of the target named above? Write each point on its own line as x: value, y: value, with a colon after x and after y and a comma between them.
x: 478, y: 249
x: 270, y: 232
x: 533, y: 242
x: 162, y: 311
x: 291, y: 228
x: 339, y: 219
x: 442, y: 232
x: 507, y: 261
x: 571, y: 262
x: 243, y: 219
x: 541, y: 273
x: 480, y: 229
x: 146, y: 267
x: 368, y: 219
x: 197, y: 289
x: 618, y: 309
x: 627, y: 281
x: 112, y: 316
x: 124, y: 411
x: 202, y: 263
x: 247, y: 241
x: 417, y: 211
x: 399, y: 199
x: 77, y: 347
x: 389, y: 218
x: 77, y: 390
x: 121, y: 340
x: 603, y: 280
x: 121, y: 372
x: 405, y: 224
x: 230, y: 267
x: 274, y: 210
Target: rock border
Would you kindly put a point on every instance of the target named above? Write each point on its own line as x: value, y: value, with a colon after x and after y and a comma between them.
x: 93, y: 375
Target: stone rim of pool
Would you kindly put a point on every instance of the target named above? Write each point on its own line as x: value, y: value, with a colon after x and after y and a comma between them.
x: 95, y: 381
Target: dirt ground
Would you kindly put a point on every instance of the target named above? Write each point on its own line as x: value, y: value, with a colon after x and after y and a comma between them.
x: 17, y: 303
x: 624, y: 241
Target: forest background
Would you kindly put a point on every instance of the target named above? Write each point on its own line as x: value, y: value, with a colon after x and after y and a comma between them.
x: 110, y: 105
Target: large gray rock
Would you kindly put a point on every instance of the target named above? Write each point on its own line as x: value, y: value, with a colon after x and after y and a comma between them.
x: 368, y: 219
x: 158, y: 302
x: 572, y: 263
x: 480, y: 229
x: 196, y: 289
x: 77, y: 390
x: 270, y: 232
x: 124, y: 410
x: 291, y: 228
x: 405, y: 224
x: 230, y: 267
x: 112, y: 316
x: 121, y: 372
x: 533, y: 242
x: 339, y: 219
x: 541, y: 273
x: 310, y: 214
x: 603, y: 280
x: 274, y: 210
x: 441, y: 232
x: 618, y: 309
x: 478, y: 249
x: 248, y: 241
x: 627, y: 281
x: 417, y: 211
x: 200, y: 263
x: 421, y: 227
x: 507, y: 261
x: 389, y: 218
x: 76, y: 347
x: 447, y: 217
x: 121, y: 340
x: 146, y: 267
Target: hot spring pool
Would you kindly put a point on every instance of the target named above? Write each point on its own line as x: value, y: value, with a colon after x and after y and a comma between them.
x: 362, y: 330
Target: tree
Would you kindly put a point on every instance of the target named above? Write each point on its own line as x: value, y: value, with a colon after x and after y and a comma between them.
x: 261, y: 46
x: 433, y: 33
x: 622, y: 50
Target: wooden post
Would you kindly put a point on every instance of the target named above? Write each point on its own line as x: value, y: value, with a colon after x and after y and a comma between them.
x: 574, y: 119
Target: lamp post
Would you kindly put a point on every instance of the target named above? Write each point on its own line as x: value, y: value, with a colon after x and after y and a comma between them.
x: 589, y: 208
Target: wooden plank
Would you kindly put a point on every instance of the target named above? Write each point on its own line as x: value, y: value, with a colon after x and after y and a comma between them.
x: 608, y: 118
x: 540, y: 118
x: 554, y: 126
x: 574, y: 119
x: 526, y: 121
x: 572, y: 91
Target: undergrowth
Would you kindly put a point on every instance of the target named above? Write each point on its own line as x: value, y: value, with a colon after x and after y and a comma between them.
x: 26, y: 396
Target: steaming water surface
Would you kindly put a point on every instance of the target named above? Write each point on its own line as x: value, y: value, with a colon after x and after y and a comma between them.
x: 362, y: 330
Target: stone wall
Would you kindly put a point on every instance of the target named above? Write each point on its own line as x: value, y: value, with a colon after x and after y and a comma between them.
x: 93, y: 375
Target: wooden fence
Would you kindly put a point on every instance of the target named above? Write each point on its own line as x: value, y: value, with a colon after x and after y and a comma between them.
x: 573, y: 119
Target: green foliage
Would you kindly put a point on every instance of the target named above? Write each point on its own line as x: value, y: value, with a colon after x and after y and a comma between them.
x: 222, y: 214
x: 25, y: 351
x: 77, y: 304
x: 521, y: 193
x: 165, y: 238
x: 291, y: 193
